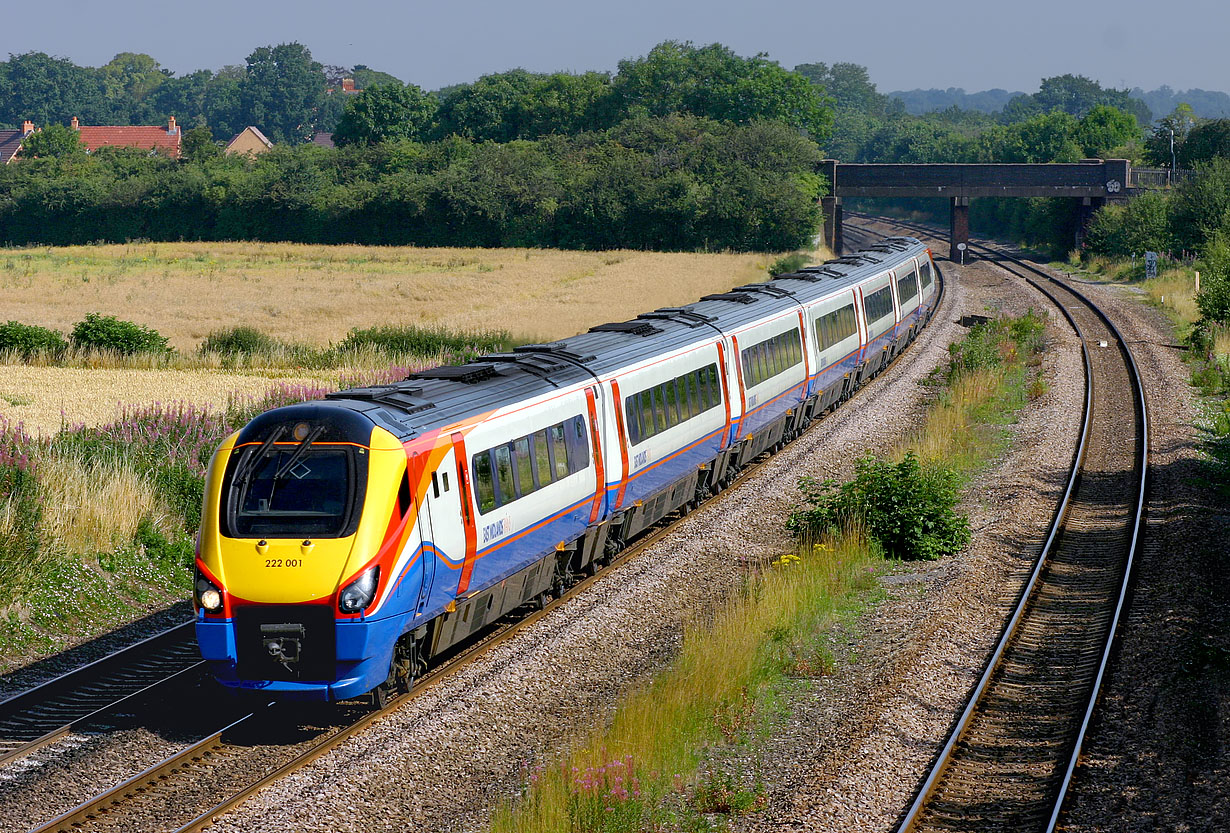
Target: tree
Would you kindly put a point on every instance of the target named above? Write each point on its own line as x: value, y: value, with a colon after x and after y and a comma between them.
x: 45, y: 90
x: 1168, y: 135
x: 52, y: 142
x: 128, y: 79
x: 1205, y: 141
x: 198, y: 145
x: 222, y: 101
x: 712, y: 81
x: 282, y: 90
x: 1044, y: 138
x: 1201, y: 205
x: 384, y: 112
x: 182, y: 97
x: 492, y: 108
x: 849, y: 86
x: 1105, y: 128
x: 366, y: 77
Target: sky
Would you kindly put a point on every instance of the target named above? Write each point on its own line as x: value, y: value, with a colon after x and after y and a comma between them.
x: 905, y: 45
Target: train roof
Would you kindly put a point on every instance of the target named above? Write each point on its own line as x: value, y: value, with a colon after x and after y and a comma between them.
x: 813, y: 282
x: 446, y: 395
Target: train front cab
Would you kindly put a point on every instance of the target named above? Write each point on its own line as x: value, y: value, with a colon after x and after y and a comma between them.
x: 309, y: 562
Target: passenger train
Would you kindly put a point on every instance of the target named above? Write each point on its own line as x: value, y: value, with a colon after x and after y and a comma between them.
x: 346, y: 542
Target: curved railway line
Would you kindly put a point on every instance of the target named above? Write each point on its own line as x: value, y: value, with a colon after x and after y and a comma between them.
x: 46, y: 713
x: 183, y: 772
x: 1011, y: 754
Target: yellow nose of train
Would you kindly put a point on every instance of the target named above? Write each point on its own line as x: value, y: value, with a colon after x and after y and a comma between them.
x: 302, y: 512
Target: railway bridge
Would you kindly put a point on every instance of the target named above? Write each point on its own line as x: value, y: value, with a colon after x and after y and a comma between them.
x: 1091, y: 181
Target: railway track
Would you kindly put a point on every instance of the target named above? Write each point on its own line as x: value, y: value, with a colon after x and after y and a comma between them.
x: 1010, y: 757
x: 165, y: 787
x: 49, y: 712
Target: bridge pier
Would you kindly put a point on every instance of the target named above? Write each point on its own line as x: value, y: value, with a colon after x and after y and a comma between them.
x: 958, y: 226
x: 832, y: 223
x: 1087, y: 207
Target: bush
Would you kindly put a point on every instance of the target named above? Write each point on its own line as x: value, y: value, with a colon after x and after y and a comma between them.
x: 1213, y: 300
x: 31, y: 339
x: 106, y: 332
x: 789, y: 263
x: 239, y: 341
x: 908, y: 509
x: 423, y: 341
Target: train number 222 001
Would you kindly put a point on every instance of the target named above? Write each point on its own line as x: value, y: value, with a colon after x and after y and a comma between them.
x: 283, y: 562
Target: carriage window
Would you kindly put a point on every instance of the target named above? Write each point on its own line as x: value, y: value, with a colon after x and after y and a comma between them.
x: 525, y: 466
x: 836, y: 326
x: 924, y: 272
x: 907, y: 288
x: 771, y: 357
x: 559, y: 451
x: 578, y: 449
x: 542, y: 458
x: 506, y: 490
x: 486, y: 485
x: 673, y: 402
x: 878, y: 304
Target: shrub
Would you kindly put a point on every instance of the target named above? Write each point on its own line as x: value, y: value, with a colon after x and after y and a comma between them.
x: 106, y: 332
x: 908, y: 509
x: 788, y: 263
x: 239, y: 341
x: 412, y: 340
x: 1213, y: 300
x: 31, y: 339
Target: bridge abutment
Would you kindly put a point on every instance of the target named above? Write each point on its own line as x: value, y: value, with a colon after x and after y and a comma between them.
x: 831, y: 206
x: 958, y: 226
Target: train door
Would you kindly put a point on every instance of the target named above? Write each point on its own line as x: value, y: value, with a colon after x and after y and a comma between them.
x: 427, y: 556
x: 452, y: 528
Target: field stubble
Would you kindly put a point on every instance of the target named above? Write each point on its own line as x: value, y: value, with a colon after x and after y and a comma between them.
x: 313, y: 295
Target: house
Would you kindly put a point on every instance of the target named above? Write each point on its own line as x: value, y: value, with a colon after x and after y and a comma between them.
x: 164, y: 140
x: 10, y: 141
x: 324, y: 140
x: 249, y: 141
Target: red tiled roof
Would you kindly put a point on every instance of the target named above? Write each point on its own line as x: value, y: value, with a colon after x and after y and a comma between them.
x: 10, y: 143
x: 141, y: 136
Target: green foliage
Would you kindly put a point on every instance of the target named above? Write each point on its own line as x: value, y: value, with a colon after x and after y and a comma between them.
x: 52, y: 142
x: 1103, y: 129
x: 384, y: 112
x: 424, y: 341
x: 29, y: 340
x: 712, y: 81
x: 198, y: 145
x: 1135, y: 227
x: 993, y: 343
x: 106, y: 332
x: 679, y: 182
x: 241, y: 340
x: 789, y: 263
x: 176, y: 550
x: 1074, y: 95
x: 909, y: 509
x: 1213, y: 300
x: 1201, y: 206
x: 281, y: 91
x: 19, y: 548
x: 1205, y: 141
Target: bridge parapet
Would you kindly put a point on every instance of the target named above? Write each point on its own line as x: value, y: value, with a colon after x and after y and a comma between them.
x: 1095, y: 178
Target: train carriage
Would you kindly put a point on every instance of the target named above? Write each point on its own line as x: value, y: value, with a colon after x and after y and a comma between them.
x: 346, y: 542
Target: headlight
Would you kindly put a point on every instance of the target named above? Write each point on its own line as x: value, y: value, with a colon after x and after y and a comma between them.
x: 359, y: 593
x: 207, y: 595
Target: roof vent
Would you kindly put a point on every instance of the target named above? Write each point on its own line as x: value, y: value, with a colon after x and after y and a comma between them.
x: 635, y: 328
x: 469, y: 374
x: 737, y: 297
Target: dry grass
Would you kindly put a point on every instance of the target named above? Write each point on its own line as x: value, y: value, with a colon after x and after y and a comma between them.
x: 1220, y: 336
x: 655, y: 742
x: 44, y: 398
x: 316, y: 294
x: 947, y: 431
x: 90, y: 509
x: 1174, y: 290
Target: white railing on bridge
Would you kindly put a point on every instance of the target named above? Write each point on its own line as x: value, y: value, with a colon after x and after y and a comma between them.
x: 1157, y: 177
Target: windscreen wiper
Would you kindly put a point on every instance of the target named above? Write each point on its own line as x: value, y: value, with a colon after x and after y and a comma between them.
x: 249, y: 465
x: 299, y: 452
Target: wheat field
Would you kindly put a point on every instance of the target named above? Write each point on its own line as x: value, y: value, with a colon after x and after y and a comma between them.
x: 314, y: 294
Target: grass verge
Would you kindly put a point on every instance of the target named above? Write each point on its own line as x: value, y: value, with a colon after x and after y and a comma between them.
x: 683, y: 751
